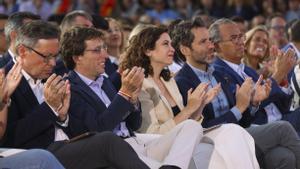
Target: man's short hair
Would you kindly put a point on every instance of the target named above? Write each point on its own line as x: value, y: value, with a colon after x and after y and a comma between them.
x: 73, y: 43
x: 271, y: 17
x: 214, y: 29
x: 69, y: 19
x: 15, y: 21
x: 31, y: 32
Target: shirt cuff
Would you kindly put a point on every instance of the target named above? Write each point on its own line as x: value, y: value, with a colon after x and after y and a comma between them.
x: 253, y: 110
x: 236, y: 113
x: 287, y: 90
x: 64, y: 123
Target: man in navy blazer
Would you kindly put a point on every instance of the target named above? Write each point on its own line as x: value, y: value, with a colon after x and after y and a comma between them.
x: 193, y: 43
x: 15, y: 21
x: 38, y: 114
x: 100, y: 107
x: 276, y: 106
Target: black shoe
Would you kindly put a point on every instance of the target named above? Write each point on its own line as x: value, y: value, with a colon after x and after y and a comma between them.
x: 169, y: 167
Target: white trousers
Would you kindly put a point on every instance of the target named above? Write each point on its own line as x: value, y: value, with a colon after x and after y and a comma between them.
x: 173, y: 148
x: 233, y: 149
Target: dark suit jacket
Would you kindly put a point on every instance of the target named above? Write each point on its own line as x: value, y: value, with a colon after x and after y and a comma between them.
x: 110, y: 68
x: 87, y: 106
x: 30, y: 124
x: 5, y: 59
x: 277, y: 96
x: 186, y: 79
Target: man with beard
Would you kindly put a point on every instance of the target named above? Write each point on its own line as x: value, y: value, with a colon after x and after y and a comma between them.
x: 277, y: 144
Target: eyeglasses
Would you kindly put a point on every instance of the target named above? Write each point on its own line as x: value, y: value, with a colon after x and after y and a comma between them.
x: 117, y: 30
x: 98, y: 50
x: 235, y: 38
x: 278, y: 27
x: 46, y: 58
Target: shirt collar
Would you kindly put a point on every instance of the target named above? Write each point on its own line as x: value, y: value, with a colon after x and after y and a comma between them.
x: 90, y: 82
x: 199, y: 72
x: 12, y: 55
x: 235, y: 67
x: 113, y: 59
x: 29, y: 79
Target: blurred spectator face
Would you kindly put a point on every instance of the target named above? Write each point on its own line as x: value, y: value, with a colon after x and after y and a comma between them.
x: 82, y: 21
x: 258, y: 45
x: 268, y: 7
x: 114, y: 38
x: 281, y: 6
x: 3, y: 46
x: 207, y: 3
x: 294, y: 5
x: 38, y: 3
x: 159, y: 5
x: 242, y: 27
x: 277, y: 30
x: 257, y: 20
x: 182, y: 3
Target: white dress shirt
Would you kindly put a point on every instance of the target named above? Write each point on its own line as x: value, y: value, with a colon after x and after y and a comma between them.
x: 271, y: 109
x: 38, y: 90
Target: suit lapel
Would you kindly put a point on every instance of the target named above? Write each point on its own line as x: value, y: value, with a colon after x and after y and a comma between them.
x: 164, y: 100
x: 108, y: 88
x: 27, y: 93
x: 225, y: 84
x: 223, y: 67
x: 174, y: 92
x: 251, y: 73
x: 89, y: 94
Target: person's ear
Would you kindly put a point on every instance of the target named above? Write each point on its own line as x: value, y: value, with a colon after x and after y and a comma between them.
x: 13, y: 36
x: 77, y: 59
x: 21, y: 51
x: 186, y: 51
x: 148, y: 53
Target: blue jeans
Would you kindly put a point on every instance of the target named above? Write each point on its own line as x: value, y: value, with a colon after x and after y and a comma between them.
x: 31, y: 159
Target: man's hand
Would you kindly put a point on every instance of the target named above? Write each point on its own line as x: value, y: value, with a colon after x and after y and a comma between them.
x: 57, y: 95
x: 283, y: 64
x: 243, y: 94
x: 196, y: 101
x: 13, y: 78
x: 261, y: 91
x: 132, y: 81
x: 9, y: 83
x: 212, y: 93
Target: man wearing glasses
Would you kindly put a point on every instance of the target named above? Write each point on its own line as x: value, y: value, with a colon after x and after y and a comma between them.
x: 277, y: 29
x: 38, y: 114
x: 277, y: 144
x: 229, y: 45
x: 100, y: 107
x: 15, y: 21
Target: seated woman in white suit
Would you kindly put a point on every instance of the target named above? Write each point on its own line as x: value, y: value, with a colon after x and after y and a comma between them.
x: 160, y: 100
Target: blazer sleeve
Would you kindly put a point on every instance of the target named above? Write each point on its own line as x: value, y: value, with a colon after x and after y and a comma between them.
x: 104, y: 118
x: 23, y: 127
x: 209, y: 119
x: 150, y: 122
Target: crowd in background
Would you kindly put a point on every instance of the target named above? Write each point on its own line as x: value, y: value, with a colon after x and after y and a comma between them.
x: 159, y: 11
x: 99, y: 69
